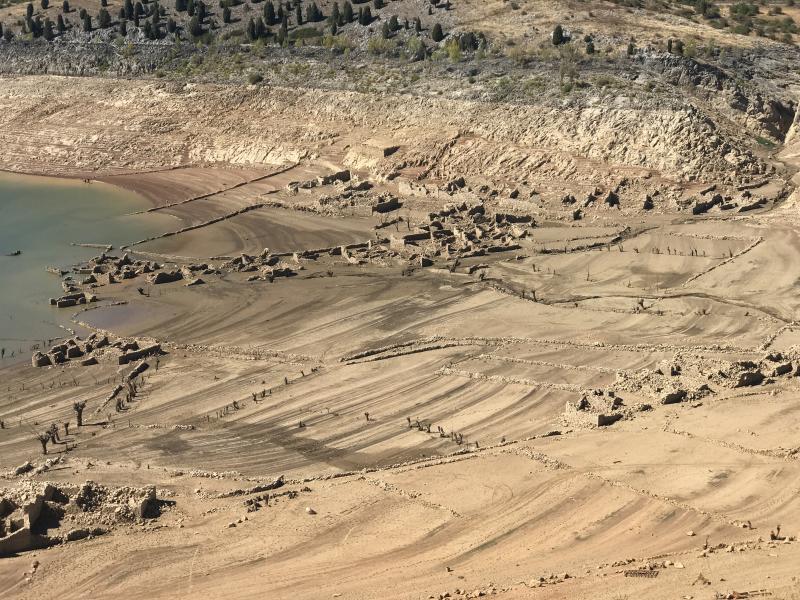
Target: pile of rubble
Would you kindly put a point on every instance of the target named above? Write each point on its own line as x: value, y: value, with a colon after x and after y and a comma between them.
x: 463, y: 231
x: 264, y: 267
x: 73, y: 348
x: 106, y: 269
x: 94, y: 348
x: 691, y: 378
x: 36, y: 515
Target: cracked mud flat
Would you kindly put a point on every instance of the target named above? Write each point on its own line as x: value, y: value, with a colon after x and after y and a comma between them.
x: 504, y: 401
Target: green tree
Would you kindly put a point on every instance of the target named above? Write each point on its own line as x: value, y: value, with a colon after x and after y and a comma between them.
x: 60, y: 25
x: 269, y: 13
x: 103, y: 19
x: 283, y: 32
x: 437, y: 35
x: 366, y: 16
x: 45, y: 4
x: 123, y: 28
x: 226, y: 15
x: 65, y: 6
x: 87, y: 22
x: 48, y: 30
x: 385, y: 32
x: 558, y: 35
x: 195, y: 28
x: 129, y: 9
x: 347, y: 12
x: 172, y: 26
x: 298, y: 15
x: 29, y: 10
x: 251, y: 30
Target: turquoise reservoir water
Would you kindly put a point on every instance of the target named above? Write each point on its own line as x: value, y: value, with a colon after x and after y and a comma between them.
x: 41, y: 217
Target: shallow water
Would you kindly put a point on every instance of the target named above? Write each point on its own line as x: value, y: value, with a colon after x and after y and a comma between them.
x: 42, y: 217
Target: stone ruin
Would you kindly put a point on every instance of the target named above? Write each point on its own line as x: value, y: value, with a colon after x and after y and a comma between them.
x: 36, y: 515
x: 95, y: 348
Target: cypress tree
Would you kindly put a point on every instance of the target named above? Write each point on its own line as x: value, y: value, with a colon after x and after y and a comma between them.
x: 195, y: 28
x: 377, y: 4
x: 148, y: 30
x: 558, y: 35
x: 281, y: 14
x: 385, y: 33
x: 190, y: 7
x: 283, y: 32
x: 180, y: 5
x: 87, y: 22
x: 366, y: 16
x: 417, y: 25
x: 334, y: 28
x: 60, y: 25
x: 347, y: 12
x: 128, y: 9
x: 313, y: 13
x: 393, y: 24
x: 269, y: 13
x: 172, y: 26
x: 251, y: 29
x: 335, y: 16
x: 29, y: 10
x: 48, y: 30
x: 201, y: 10
x: 436, y: 33
x: 103, y: 19
x: 226, y: 15
x: 65, y: 6
x: 45, y: 4
x: 298, y: 15
x: 123, y: 28
x: 261, y: 31
x: 104, y: 3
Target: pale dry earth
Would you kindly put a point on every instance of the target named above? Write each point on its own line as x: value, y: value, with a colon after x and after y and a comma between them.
x: 503, y: 358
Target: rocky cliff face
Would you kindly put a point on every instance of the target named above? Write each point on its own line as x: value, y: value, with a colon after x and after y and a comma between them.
x: 65, y: 125
x: 741, y: 97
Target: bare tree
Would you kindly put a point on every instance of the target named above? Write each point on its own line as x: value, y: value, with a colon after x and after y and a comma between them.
x: 43, y: 439
x: 78, y: 408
